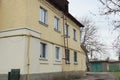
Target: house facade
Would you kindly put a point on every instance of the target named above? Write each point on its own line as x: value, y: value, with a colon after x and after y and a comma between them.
x: 39, y: 36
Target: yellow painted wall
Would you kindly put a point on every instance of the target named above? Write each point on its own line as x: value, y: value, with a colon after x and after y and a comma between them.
x: 47, y: 32
x: 12, y: 14
x: 25, y: 13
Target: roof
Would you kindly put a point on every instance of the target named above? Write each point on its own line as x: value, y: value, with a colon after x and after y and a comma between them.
x: 75, y: 20
x: 94, y: 61
x: 63, y: 6
x: 60, y: 4
x: 114, y: 61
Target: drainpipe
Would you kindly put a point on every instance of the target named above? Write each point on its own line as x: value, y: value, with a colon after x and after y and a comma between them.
x: 64, y: 41
x: 28, y: 57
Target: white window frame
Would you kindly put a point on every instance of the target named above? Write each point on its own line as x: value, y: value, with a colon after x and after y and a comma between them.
x: 41, y: 50
x: 75, y: 58
x: 56, y: 23
x: 74, y: 34
x: 67, y: 30
x: 43, y: 15
x: 59, y: 53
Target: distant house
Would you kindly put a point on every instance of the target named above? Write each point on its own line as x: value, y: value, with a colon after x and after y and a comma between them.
x: 39, y: 37
x: 104, y: 66
x: 98, y: 66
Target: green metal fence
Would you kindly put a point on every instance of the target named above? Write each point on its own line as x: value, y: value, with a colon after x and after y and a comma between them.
x: 114, y: 67
x: 97, y: 67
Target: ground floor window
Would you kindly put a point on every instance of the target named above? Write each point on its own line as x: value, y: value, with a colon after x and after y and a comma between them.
x: 43, y: 52
x: 57, y: 53
x: 75, y: 56
x: 67, y: 52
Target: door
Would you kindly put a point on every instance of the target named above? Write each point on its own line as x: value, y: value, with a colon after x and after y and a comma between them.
x: 97, y: 67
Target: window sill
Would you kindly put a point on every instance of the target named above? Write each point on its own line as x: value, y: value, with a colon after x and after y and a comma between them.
x: 75, y: 40
x: 56, y: 30
x: 58, y: 62
x: 43, y: 23
x: 43, y: 61
x: 67, y: 62
x: 75, y: 63
x: 67, y: 36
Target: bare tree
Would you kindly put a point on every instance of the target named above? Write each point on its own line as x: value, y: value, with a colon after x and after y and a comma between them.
x: 89, y: 38
x: 112, y: 7
x: 116, y: 45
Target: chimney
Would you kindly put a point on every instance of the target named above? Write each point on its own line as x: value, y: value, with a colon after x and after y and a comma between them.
x: 119, y: 58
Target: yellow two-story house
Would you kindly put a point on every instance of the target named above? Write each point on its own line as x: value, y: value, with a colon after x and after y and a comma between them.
x: 39, y: 37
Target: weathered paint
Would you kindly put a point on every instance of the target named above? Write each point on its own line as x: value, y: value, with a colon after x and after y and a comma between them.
x: 25, y: 14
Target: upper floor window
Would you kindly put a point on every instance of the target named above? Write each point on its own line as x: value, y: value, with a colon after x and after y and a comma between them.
x: 43, y: 53
x: 43, y: 15
x: 67, y: 30
x: 74, y: 34
x: 56, y: 24
x: 75, y: 57
x: 57, y: 53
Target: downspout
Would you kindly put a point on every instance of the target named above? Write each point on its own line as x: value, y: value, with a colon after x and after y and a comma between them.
x: 28, y: 42
x: 64, y: 40
x: 28, y: 57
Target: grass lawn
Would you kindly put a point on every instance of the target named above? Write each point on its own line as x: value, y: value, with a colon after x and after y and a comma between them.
x: 117, y: 74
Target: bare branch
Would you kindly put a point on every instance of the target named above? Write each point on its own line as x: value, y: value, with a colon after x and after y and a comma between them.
x: 113, y: 7
x: 89, y: 38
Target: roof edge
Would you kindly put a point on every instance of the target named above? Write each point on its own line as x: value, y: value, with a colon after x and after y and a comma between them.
x: 66, y: 13
x: 75, y: 20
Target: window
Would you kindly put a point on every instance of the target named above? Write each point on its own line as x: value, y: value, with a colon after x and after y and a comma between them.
x: 67, y: 52
x: 67, y: 30
x: 74, y: 34
x: 43, y: 15
x: 43, y: 51
x: 56, y: 24
x: 57, y: 52
x: 75, y: 57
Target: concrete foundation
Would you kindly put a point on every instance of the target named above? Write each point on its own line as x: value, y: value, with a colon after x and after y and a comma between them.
x: 3, y: 77
x: 50, y: 76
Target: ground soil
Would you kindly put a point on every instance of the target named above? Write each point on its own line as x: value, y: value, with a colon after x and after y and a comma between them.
x: 98, y: 76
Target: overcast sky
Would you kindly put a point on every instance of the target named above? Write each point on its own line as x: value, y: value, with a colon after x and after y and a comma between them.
x: 90, y: 9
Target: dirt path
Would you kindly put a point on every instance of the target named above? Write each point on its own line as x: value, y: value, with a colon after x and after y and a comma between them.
x: 98, y: 76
